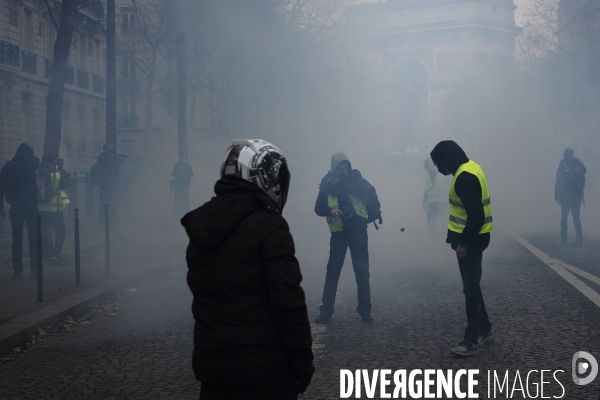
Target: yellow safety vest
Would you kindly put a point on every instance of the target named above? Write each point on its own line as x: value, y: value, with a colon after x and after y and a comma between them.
x: 335, y: 222
x: 458, y: 214
x: 60, y: 200
x: 436, y: 192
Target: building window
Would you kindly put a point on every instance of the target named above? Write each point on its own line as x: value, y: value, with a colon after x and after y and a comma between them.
x: 82, y: 52
x: 68, y: 144
x: 81, y: 118
x: 28, y: 30
x: 128, y: 14
x: 82, y: 146
x: 66, y: 120
x: 27, y: 108
x: 14, y: 9
x: 128, y: 64
x: 129, y: 115
x: 98, y: 57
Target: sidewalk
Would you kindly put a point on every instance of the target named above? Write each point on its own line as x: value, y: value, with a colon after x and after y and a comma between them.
x: 146, y: 247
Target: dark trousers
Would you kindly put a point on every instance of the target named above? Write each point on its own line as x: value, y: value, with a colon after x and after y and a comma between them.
x: 470, y: 272
x: 358, y: 242
x: 279, y: 387
x: 57, y: 222
x: 19, y: 218
x: 573, y: 206
x: 181, y: 201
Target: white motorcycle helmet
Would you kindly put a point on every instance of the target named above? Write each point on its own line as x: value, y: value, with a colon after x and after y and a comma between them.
x: 261, y: 164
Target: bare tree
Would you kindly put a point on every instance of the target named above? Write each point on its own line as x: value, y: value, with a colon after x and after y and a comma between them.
x: 538, y: 42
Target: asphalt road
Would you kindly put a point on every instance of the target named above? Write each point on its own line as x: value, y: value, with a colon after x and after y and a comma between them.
x: 143, y: 352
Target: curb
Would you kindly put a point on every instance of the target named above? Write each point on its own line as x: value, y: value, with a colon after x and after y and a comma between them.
x: 17, y: 331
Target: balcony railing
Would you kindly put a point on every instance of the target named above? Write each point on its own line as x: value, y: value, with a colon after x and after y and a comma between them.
x: 83, y: 79
x: 9, y: 54
x: 98, y: 84
x: 70, y: 76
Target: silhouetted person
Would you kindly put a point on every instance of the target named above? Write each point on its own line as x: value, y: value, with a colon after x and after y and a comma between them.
x: 435, y: 198
x: 469, y: 227
x: 252, y: 336
x: 182, y: 172
x: 341, y: 199
x: 18, y: 185
x: 568, y: 192
x: 51, y: 206
x: 107, y: 178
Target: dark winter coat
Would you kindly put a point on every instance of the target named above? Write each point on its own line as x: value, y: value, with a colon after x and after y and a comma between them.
x: 249, y: 308
x: 448, y: 157
x: 18, y: 180
x: 353, y: 185
x: 562, y: 189
x: 182, y: 172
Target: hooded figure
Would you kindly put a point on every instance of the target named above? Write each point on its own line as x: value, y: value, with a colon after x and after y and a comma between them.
x: 341, y: 200
x: 469, y: 225
x: 252, y: 335
x: 18, y: 185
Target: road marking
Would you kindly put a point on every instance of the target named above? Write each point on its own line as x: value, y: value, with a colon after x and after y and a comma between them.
x: 562, y: 269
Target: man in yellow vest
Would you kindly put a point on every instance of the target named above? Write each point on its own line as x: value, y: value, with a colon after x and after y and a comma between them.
x: 51, y: 205
x: 341, y: 200
x: 469, y: 228
x: 435, y: 198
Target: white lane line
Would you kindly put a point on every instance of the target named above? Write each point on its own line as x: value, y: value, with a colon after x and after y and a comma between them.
x: 561, y: 269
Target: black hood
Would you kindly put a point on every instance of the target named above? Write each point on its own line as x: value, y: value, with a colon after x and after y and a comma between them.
x: 24, y: 151
x: 210, y: 224
x: 448, y: 156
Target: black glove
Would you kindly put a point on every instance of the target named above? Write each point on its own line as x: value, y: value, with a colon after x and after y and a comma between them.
x: 303, y: 377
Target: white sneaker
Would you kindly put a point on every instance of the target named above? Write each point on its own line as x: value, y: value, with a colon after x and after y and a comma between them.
x: 485, y: 337
x: 465, y: 349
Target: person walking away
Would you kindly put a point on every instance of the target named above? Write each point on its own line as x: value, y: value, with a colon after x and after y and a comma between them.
x: 182, y: 172
x: 52, y: 201
x: 341, y: 199
x: 469, y: 227
x: 434, y: 198
x: 252, y: 336
x: 18, y: 185
x: 568, y: 192
x: 105, y: 174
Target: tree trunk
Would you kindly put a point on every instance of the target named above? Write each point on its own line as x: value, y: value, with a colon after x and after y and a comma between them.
x: 56, y: 86
x: 181, y: 42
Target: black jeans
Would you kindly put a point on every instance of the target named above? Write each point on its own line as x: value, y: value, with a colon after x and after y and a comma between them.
x: 573, y: 206
x: 19, y: 218
x: 358, y: 242
x: 278, y: 387
x: 470, y: 272
x: 57, y: 222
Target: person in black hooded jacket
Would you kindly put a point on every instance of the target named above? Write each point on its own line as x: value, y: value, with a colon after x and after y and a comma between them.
x: 252, y: 336
x: 18, y: 185
x: 468, y: 244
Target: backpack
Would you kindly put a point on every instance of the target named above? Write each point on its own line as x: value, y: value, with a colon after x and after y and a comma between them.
x: 45, y: 190
x: 575, y: 177
x: 373, y: 205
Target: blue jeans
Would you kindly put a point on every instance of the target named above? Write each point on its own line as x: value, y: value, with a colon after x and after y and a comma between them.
x: 470, y: 272
x: 358, y: 242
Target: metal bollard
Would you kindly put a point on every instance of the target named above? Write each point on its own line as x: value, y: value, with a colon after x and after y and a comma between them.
x: 77, y: 251
x: 40, y: 272
x: 106, y: 239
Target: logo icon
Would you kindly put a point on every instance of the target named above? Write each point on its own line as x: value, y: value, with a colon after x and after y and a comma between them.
x: 581, y: 367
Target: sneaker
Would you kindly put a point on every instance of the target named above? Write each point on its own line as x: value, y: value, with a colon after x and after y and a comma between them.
x: 16, y: 277
x: 465, y: 349
x: 367, y: 318
x: 322, y: 319
x: 485, y: 337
